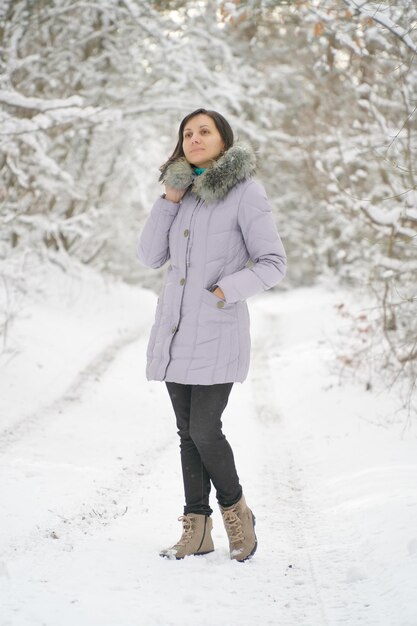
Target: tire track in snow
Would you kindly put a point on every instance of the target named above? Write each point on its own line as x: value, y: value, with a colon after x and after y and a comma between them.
x: 92, y: 372
x: 103, y: 498
x: 327, y: 582
x: 105, y: 505
x: 282, y: 471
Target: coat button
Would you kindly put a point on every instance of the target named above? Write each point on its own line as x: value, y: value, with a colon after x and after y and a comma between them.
x: 186, y: 232
x: 174, y: 329
x: 220, y: 304
x: 182, y: 281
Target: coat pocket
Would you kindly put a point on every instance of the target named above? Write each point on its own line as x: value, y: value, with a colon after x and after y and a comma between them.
x: 215, y: 311
x: 213, y: 300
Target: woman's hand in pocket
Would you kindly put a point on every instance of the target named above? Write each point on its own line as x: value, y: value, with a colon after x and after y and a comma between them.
x: 219, y: 293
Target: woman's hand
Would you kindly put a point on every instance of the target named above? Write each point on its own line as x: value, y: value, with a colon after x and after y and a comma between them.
x: 219, y: 293
x: 174, y: 195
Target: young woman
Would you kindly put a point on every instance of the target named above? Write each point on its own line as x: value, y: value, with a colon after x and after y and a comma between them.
x: 215, y: 226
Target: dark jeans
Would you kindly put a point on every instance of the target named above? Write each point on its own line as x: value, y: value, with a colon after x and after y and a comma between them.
x: 206, y: 455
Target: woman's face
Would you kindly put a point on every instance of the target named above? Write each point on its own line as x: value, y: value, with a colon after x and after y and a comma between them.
x: 201, y: 141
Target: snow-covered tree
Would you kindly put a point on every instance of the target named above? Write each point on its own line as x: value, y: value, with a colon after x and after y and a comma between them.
x: 363, y: 149
x: 91, y: 95
x: 336, y: 105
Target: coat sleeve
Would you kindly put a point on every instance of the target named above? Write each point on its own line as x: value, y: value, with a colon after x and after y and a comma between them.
x: 264, y: 246
x: 153, y: 246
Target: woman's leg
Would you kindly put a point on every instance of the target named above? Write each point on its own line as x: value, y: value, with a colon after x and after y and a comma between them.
x: 196, y: 479
x: 205, y: 430
x: 206, y: 455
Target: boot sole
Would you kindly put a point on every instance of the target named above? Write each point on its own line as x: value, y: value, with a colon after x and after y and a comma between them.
x: 180, y: 558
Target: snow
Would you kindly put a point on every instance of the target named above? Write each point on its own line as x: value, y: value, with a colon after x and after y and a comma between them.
x: 388, y: 217
x: 91, y: 484
x: 17, y: 99
x: 380, y: 16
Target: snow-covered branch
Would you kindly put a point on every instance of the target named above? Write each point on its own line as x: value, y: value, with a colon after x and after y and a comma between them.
x: 377, y: 15
x: 15, y: 99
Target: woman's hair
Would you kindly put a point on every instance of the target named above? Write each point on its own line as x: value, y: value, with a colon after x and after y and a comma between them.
x: 222, y: 126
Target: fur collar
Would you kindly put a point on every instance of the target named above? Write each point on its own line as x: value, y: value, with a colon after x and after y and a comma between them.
x: 237, y: 163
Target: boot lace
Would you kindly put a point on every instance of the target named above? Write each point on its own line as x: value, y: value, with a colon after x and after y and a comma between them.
x: 233, y: 525
x: 187, y: 530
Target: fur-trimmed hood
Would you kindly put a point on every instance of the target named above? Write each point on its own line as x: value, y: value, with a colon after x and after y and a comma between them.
x: 237, y: 163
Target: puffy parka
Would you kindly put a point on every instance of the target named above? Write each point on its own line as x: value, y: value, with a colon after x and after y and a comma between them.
x: 221, y: 233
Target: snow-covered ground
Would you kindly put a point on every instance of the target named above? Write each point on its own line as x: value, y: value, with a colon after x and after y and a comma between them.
x: 91, y: 487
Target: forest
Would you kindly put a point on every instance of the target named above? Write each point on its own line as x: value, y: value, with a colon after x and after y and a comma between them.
x: 91, y: 95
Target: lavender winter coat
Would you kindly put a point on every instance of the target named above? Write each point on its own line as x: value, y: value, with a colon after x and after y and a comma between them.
x: 223, y: 221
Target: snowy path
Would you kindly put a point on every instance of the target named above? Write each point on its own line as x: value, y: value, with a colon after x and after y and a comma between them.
x: 91, y: 490
x: 90, y: 373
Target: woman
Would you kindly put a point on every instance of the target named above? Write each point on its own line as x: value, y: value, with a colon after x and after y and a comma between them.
x: 211, y: 221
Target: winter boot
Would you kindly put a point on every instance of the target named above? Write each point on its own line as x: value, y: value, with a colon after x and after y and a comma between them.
x: 239, y: 522
x: 196, y: 537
